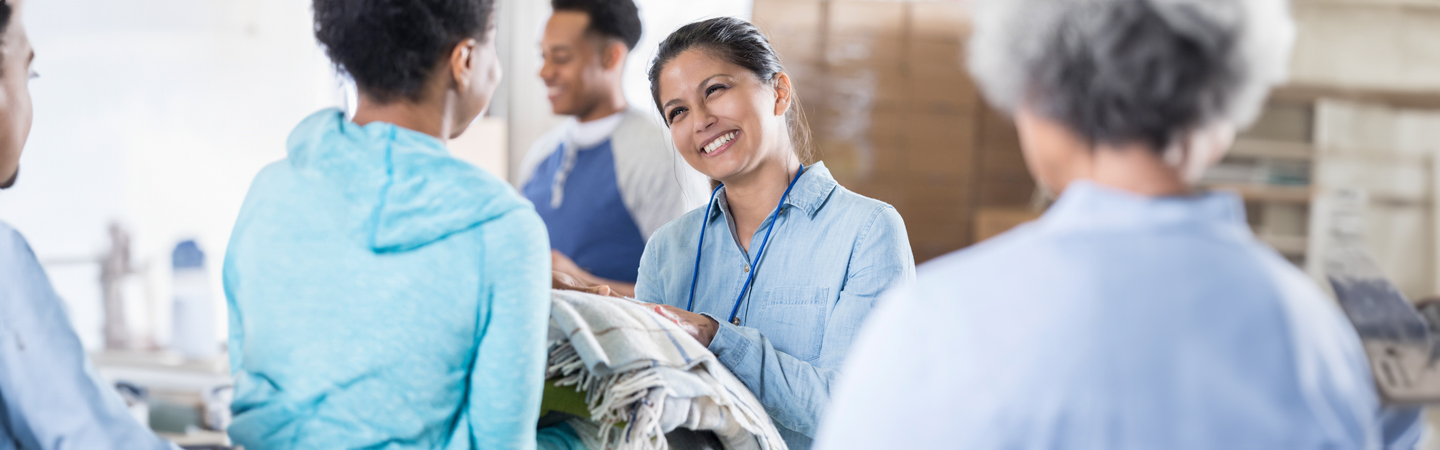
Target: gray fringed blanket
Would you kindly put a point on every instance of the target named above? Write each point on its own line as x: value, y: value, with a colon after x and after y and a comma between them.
x: 641, y: 370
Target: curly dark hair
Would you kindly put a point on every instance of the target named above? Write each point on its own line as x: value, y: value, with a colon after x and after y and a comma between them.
x: 617, y: 19
x: 391, y: 47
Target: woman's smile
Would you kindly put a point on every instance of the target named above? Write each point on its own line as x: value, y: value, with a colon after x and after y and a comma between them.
x: 719, y: 144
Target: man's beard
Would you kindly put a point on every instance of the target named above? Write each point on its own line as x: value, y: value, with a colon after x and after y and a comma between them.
x: 11, y: 181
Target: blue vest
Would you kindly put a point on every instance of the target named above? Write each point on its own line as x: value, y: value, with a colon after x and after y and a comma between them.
x: 592, y: 225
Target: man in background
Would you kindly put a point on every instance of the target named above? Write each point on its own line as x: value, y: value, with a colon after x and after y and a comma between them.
x: 50, y: 396
x: 607, y: 178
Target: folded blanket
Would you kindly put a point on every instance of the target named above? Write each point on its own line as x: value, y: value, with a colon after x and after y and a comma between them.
x: 639, y: 369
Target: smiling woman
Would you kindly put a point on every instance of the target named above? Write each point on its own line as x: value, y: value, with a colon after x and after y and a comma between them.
x: 786, y: 262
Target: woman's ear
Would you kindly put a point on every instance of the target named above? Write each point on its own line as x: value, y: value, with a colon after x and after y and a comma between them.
x: 784, y: 93
x: 462, y: 63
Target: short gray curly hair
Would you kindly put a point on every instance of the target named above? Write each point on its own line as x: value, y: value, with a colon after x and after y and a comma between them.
x: 1132, y: 71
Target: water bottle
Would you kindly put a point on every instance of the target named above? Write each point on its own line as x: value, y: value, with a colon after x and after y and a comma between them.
x: 193, y: 318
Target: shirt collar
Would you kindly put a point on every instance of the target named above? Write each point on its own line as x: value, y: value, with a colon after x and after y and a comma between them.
x: 809, y: 193
x: 585, y: 135
x: 1085, y: 204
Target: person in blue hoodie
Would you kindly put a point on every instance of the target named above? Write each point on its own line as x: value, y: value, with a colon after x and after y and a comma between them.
x: 381, y: 292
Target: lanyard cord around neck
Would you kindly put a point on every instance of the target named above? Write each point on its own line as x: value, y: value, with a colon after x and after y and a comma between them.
x: 754, y: 267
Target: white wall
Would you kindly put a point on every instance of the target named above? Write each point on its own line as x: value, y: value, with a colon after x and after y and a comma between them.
x: 156, y: 113
x: 528, y: 110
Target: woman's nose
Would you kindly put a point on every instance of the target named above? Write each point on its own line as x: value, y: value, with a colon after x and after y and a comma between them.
x: 706, y: 121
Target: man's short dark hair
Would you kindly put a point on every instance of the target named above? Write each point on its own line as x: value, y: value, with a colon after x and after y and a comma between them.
x: 617, y: 19
x: 4, y: 19
x: 391, y: 47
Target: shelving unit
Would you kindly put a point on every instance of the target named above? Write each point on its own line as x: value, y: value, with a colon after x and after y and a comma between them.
x: 1271, y: 167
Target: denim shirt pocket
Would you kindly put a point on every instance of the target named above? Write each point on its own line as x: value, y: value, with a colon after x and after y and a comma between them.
x: 793, y: 318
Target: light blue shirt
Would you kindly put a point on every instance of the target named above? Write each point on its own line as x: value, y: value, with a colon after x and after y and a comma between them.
x: 832, y: 253
x: 385, y: 294
x: 1113, y: 322
x: 50, y: 395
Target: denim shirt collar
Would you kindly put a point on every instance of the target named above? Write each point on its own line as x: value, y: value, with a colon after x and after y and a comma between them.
x: 809, y: 194
x: 1085, y: 204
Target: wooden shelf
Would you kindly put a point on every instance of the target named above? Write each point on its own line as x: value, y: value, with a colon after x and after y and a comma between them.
x: 1267, y: 193
x: 1262, y: 148
x: 1287, y: 245
x: 1420, y: 99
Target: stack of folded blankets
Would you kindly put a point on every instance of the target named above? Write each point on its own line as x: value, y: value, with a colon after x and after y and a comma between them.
x: 642, y: 376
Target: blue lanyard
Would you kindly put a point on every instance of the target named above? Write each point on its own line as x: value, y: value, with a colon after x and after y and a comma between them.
x: 755, y: 267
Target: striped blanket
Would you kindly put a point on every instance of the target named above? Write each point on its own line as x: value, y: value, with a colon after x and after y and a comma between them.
x: 642, y: 377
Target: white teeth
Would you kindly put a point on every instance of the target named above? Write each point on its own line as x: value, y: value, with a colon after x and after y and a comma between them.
x: 719, y: 142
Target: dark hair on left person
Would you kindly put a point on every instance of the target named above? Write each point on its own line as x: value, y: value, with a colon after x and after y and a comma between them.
x: 392, y: 47
x: 617, y: 19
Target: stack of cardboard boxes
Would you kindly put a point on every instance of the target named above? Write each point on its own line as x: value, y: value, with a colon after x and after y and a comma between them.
x: 894, y: 114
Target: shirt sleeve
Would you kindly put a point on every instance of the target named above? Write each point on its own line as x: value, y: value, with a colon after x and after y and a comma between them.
x: 648, y: 287
x: 1402, y: 427
x: 235, y: 333
x: 509, y: 369
x: 795, y: 392
x: 656, y: 184
x: 50, y: 395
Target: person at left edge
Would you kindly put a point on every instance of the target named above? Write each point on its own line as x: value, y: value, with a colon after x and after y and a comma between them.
x: 50, y: 395
x: 605, y: 179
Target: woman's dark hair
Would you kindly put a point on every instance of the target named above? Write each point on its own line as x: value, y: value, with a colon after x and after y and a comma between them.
x: 739, y: 43
x: 392, y: 47
x: 617, y: 19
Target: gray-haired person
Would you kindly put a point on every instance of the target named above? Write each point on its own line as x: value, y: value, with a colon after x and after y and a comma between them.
x: 1139, y: 312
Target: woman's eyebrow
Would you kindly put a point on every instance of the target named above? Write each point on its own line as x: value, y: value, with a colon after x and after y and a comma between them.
x: 707, y: 79
x: 702, y: 83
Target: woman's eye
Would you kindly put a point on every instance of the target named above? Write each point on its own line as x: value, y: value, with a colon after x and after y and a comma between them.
x: 673, y: 114
x: 712, y: 89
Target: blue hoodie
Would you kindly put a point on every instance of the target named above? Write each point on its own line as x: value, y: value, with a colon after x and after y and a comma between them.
x: 385, y: 294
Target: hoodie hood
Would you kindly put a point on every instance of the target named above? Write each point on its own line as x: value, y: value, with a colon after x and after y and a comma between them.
x: 417, y: 193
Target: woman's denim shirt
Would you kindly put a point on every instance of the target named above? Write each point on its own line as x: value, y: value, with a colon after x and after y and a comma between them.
x: 832, y: 253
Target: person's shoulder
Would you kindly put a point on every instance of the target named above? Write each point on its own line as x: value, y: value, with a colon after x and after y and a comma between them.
x: 15, y: 253
x: 679, y: 230
x: 1001, y: 254
x: 843, y: 202
x: 11, y: 242
x: 548, y: 142
x: 641, y: 134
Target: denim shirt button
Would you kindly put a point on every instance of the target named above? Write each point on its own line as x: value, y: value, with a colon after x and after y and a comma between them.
x: 735, y: 321
x: 747, y: 268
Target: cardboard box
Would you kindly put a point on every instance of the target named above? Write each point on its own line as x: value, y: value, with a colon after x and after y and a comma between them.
x: 1006, y: 191
x: 990, y: 222
x: 939, y: 143
x: 935, y: 59
x: 798, y: 48
x: 942, y: 94
x: 866, y: 19
x: 788, y: 17
x: 943, y: 21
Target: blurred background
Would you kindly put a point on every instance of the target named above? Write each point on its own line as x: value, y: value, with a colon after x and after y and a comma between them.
x: 153, y: 115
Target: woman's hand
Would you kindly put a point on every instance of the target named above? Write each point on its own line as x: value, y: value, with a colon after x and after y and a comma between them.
x: 563, y: 281
x: 563, y: 264
x: 700, y: 327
